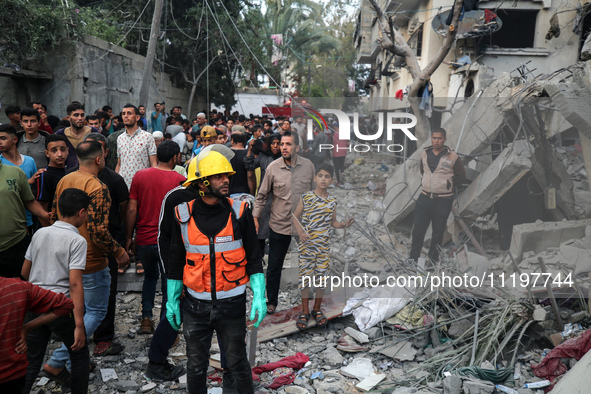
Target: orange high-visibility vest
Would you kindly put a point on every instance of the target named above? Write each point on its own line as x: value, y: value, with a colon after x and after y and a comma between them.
x: 222, y: 254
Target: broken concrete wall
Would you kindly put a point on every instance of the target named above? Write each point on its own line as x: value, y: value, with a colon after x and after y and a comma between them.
x: 466, y: 137
x: 572, y: 99
x: 95, y: 73
x: 538, y: 237
x: 509, y: 167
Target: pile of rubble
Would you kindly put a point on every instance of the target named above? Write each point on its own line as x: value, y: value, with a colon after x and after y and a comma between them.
x: 514, y: 332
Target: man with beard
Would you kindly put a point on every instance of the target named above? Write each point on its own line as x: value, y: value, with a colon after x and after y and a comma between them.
x: 214, y: 260
x: 260, y: 154
x: 286, y: 179
x: 76, y: 132
x: 136, y: 148
x: 142, y: 110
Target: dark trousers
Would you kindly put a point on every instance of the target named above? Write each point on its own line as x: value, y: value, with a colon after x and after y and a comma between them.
x: 429, y: 211
x: 11, y: 259
x: 13, y: 386
x: 37, y: 341
x: 227, y: 318
x: 262, y: 244
x: 106, y: 331
x: 163, y: 338
x: 153, y: 269
x: 278, y: 247
x: 339, y: 167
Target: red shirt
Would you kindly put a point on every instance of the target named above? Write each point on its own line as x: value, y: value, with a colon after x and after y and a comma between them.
x: 16, y: 298
x: 339, y: 146
x: 45, y: 127
x: 148, y: 188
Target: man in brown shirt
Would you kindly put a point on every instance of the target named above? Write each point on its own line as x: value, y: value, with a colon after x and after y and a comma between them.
x: 96, y: 279
x: 76, y: 132
x: 287, y: 178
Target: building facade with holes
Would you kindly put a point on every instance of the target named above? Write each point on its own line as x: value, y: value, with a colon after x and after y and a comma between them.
x: 528, y: 38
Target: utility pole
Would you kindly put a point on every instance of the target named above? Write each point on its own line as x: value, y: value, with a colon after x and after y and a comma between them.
x: 164, y: 43
x: 309, y: 79
x: 147, y: 75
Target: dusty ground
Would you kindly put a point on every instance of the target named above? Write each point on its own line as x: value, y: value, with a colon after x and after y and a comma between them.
x: 360, y: 197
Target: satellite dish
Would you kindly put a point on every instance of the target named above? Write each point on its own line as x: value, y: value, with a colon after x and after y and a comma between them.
x: 475, y: 23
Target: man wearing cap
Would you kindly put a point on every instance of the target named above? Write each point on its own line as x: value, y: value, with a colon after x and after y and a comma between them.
x: 442, y: 169
x: 214, y: 261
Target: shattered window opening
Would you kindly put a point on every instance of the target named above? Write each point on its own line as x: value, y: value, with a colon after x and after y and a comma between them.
x: 519, y: 29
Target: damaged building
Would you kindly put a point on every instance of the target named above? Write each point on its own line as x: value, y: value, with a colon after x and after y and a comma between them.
x: 495, y: 38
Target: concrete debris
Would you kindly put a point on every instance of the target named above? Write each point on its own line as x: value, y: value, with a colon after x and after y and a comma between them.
x: 370, y: 382
x: 541, y: 236
x: 373, y: 218
x: 148, y: 387
x: 358, y: 336
x: 296, y: 390
x: 586, y: 50
x: 478, y: 387
x: 359, y: 369
x: 125, y: 385
x: 108, y: 374
x: 452, y: 385
x: 508, y: 168
x: 332, y: 356
x: 402, y: 351
x: 540, y: 313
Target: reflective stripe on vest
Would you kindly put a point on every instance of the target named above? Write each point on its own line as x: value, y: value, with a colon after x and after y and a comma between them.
x: 184, y: 215
x: 229, y: 257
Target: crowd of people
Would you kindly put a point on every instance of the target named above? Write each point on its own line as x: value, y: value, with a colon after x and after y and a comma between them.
x: 195, y: 203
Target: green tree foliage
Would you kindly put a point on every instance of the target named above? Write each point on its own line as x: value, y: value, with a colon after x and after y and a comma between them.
x: 329, y: 71
x: 31, y: 30
x: 233, y: 35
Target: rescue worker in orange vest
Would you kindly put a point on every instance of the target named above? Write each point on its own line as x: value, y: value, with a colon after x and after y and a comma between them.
x: 442, y: 169
x: 214, y: 254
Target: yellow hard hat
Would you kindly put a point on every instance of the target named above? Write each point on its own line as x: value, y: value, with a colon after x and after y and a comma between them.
x: 191, y: 172
x: 213, y: 164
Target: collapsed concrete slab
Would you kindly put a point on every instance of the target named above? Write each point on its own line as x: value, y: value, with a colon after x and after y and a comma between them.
x: 508, y: 168
x: 540, y: 236
x: 573, y: 103
x: 471, y: 130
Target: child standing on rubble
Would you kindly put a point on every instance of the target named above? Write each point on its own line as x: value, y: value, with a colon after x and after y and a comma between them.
x: 317, y: 212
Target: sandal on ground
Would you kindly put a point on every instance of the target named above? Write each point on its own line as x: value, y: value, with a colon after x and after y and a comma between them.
x: 139, y: 268
x: 271, y: 309
x: 62, y: 378
x: 319, y: 316
x: 108, y: 349
x: 121, y: 270
x: 302, y: 322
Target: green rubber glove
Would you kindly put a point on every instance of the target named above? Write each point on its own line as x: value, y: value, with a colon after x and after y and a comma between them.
x: 174, y: 288
x: 259, y: 304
